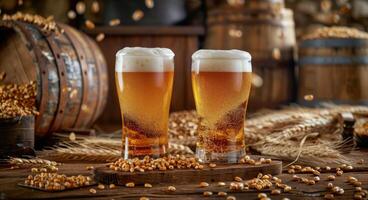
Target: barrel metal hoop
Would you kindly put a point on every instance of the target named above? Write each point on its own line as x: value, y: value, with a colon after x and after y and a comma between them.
x: 100, y: 81
x: 319, y: 60
x: 334, y: 42
x: 41, y: 60
x: 63, y: 94
x: 82, y: 58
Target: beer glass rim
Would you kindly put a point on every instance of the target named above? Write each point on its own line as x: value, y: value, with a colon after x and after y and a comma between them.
x: 156, y: 52
x: 214, y: 54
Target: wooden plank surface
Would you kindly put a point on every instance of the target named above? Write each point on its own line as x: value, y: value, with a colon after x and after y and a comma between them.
x: 224, y: 172
x: 9, y: 189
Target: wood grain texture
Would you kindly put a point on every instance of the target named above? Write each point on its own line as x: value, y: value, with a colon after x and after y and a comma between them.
x: 10, y: 190
x: 219, y: 173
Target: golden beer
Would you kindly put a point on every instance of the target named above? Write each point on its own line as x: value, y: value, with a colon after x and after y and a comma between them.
x: 144, y: 80
x: 221, y: 85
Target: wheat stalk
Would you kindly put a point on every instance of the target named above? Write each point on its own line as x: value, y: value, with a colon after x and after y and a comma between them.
x: 63, y: 154
x: 276, y: 133
x: 31, y: 162
x: 95, y: 149
x: 279, y: 133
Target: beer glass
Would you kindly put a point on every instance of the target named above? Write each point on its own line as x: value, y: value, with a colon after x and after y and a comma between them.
x: 144, y: 81
x: 221, y: 81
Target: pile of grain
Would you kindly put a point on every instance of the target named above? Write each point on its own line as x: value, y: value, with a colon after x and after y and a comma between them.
x: 183, y: 127
x: 17, y: 100
x: 46, y: 24
x: 336, y: 32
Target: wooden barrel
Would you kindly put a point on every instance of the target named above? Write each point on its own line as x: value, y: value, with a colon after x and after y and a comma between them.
x: 17, y: 136
x: 333, y: 70
x: 69, y: 68
x: 269, y: 36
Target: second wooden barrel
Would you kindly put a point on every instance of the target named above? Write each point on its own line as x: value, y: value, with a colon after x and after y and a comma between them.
x: 269, y: 36
x: 69, y: 68
x: 333, y: 70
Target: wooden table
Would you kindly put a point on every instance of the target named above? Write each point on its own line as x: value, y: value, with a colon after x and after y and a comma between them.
x: 10, y: 177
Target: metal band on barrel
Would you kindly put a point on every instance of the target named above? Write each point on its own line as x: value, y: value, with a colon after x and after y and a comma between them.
x: 319, y: 60
x: 336, y: 42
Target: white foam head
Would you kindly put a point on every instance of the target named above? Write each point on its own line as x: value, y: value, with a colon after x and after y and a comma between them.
x: 221, y: 61
x: 140, y: 59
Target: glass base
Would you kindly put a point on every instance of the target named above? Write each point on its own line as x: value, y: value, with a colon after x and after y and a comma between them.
x: 230, y: 157
x: 156, y: 151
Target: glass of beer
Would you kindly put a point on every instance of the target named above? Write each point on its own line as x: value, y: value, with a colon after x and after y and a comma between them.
x: 221, y: 82
x: 144, y: 81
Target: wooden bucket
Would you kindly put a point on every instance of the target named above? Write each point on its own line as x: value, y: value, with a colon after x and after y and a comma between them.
x: 17, y: 136
x: 269, y: 37
x: 333, y: 70
x: 69, y: 68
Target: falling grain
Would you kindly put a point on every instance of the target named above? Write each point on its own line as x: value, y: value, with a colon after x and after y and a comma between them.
x: 114, y: 22
x: 149, y: 3
x: 80, y: 7
x: 137, y: 15
x: 100, y: 37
